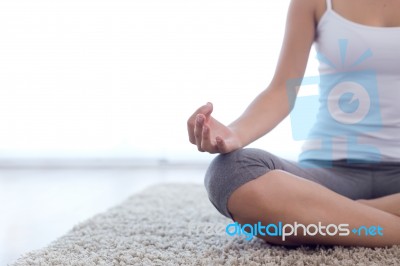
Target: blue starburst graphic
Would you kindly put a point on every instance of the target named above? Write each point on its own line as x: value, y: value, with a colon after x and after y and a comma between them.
x: 347, y: 107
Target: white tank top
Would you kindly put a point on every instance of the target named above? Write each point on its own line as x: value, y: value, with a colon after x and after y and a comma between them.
x: 359, y: 92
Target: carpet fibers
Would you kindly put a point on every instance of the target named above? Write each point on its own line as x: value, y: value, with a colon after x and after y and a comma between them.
x: 175, y: 224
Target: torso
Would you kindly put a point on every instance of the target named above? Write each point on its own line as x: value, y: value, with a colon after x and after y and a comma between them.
x: 376, y: 13
x: 357, y: 46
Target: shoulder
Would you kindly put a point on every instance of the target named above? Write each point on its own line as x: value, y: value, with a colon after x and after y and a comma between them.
x: 314, y: 8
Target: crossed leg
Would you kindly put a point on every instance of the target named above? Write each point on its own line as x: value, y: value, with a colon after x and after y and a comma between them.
x: 390, y: 204
x: 279, y: 196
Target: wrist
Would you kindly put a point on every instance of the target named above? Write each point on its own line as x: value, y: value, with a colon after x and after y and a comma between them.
x: 237, y: 136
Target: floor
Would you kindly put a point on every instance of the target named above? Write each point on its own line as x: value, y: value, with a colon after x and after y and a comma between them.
x: 39, y: 205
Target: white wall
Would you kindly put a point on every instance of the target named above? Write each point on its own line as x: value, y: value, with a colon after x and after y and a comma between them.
x: 119, y: 78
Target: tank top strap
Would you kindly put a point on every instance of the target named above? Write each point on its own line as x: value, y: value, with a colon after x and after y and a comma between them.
x: 329, y: 4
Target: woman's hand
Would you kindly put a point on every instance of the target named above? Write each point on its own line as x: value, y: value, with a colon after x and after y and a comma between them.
x: 209, y: 135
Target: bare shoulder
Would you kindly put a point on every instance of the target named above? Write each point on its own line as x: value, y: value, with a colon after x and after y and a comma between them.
x: 316, y: 8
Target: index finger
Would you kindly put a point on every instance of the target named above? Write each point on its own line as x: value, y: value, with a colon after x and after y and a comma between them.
x: 206, y: 111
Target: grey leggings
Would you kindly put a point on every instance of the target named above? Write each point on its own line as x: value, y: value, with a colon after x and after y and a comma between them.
x: 354, y: 180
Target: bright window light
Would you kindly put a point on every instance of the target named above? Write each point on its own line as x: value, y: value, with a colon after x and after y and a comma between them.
x: 119, y: 78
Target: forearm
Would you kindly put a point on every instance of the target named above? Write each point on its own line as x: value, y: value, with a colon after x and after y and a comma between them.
x: 266, y: 111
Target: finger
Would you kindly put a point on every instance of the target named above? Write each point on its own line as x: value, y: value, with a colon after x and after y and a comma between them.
x: 221, y: 145
x: 206, y: 110
x: 191, y: 124
x: 206, y: 143
x: 198, y: 131
x: 190, y: 129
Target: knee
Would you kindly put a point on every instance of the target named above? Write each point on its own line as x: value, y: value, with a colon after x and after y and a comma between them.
x: 229, y: 171
x: 250, y: 162
x: 225, y: 166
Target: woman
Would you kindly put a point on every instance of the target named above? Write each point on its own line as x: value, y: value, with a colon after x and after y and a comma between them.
x: 347, y: 185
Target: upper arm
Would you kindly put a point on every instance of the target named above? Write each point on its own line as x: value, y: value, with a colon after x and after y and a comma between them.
x: 298, y: 39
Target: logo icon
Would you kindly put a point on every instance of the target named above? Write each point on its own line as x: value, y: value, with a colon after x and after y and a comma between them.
x: 351, y: 104
x: 345, y: 107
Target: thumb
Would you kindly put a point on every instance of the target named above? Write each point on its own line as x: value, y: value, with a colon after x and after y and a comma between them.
x: 208, y: 109
x: 205, y: 110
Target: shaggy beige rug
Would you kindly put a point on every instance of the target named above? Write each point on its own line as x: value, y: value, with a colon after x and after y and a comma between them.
x: 175, y: 224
